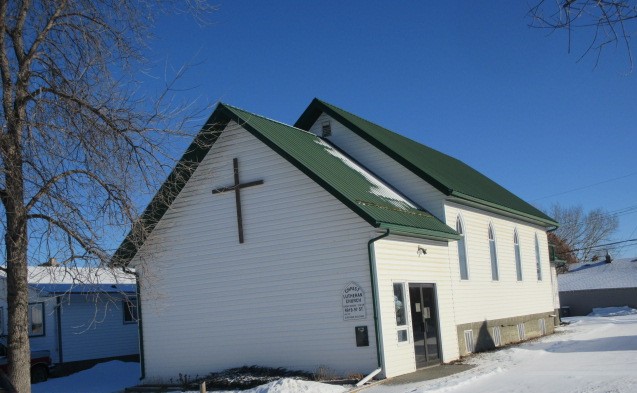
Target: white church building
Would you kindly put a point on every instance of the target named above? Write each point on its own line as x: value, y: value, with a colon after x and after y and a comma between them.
x: 331, y: 243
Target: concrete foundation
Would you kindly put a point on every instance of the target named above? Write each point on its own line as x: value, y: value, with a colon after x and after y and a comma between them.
x: 485, y: 335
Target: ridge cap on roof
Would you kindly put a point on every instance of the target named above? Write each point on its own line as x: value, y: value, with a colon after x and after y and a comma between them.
x: 432, y: 176
x: 231, y: 107
x: 397, y: 134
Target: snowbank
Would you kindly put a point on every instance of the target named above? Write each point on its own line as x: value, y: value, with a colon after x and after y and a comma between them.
x: 289, y: 385
x: 612, y: 311
x: 114, y: 376
x: 593, y: 354
x: 106, y: 377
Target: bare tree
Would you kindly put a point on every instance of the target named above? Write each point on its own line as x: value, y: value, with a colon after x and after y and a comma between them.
x: 563, y: 252
x: 608, y: 22
x: 581, y: 232
x: 78, y: 138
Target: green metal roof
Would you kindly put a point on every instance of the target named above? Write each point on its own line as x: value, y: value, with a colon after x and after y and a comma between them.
x: 364, y: 194
x: 449, y: 175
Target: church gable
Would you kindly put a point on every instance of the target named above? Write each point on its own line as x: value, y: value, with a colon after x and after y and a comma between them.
x: 209, y: 216
x: 381, y: 164
x: 348, y: 182
x: 450, y: 176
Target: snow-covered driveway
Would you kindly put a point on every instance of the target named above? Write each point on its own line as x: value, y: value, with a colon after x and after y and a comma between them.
x: 593, y: 354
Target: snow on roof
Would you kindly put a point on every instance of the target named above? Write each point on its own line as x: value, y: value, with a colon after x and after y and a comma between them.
x: 620, y: 273
x: 377, y: 187
x: 78, y: 275
x: 72, y: 279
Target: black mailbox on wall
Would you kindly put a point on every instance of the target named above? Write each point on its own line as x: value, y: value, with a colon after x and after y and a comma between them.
x: 362, y: 337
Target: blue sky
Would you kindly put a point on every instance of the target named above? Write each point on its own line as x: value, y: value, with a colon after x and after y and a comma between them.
x: 470, y: 79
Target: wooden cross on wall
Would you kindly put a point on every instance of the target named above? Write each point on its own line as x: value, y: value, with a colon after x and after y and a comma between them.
x: 236, y: 187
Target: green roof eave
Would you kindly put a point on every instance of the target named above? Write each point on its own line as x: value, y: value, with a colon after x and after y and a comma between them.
x: 419, y: 232
x: 356, y: 206
x: 316, y: 107
x: 496, y: 208
x: 298, y: 165
x: 170, y: 188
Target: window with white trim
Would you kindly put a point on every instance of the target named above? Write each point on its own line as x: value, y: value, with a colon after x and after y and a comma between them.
x: 538, y: 259
x: 401, y: 311
x: 494, y: 255
x: 462, y: 251
x: 36, y: 319
x: 518, y: 259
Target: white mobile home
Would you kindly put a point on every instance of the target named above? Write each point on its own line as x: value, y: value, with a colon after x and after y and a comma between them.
x: 335, y: 243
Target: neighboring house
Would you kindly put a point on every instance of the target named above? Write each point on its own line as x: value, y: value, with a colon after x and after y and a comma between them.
x: 80, y: 314
x: 599, y: 284
x: 336, y: 243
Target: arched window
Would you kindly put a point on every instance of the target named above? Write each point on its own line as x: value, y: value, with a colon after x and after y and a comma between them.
x: 538, y: 260
x: 462, y: 251
x: 518, y: 260
x: 494, y: 255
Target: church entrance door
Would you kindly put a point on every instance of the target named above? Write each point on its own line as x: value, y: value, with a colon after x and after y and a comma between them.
x: 424, y: 320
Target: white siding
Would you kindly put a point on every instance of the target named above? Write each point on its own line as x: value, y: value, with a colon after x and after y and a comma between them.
x: 410, y: 185
x: 94, y: 328
x: 209, y: 303
x: 480, y: 298
x: 397, y: 260
x: 555, y: 288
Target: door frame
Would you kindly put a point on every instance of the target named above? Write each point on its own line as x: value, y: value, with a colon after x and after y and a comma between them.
x: 437, y: 313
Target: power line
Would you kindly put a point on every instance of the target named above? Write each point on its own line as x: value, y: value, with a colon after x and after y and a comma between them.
x: 585, y: 187
x: 623, y: 246
x: 617, y: 213
x: 606, y: 245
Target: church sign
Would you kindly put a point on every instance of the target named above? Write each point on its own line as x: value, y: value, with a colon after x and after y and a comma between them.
x: 353, y: 302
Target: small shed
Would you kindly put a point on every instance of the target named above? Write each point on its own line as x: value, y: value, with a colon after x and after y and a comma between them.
x: 599, y: 284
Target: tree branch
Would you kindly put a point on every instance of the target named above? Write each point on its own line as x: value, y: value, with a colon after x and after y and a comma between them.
x: 86, y: 244
x: 52, y: 181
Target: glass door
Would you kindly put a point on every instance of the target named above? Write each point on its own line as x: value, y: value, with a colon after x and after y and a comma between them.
x: 424, y: 320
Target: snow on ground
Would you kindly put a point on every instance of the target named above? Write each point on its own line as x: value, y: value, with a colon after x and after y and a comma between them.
x: 612, y: 311
x: 107, y: 377
x: 592, y: 354
x: 288, y: 385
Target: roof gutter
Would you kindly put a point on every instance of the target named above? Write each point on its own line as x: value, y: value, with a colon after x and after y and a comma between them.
x: 419, y: 232
x: 467, y: 200
x: 374, y: 283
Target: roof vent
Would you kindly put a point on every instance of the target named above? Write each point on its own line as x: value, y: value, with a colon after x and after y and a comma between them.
x: 326, y: 129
